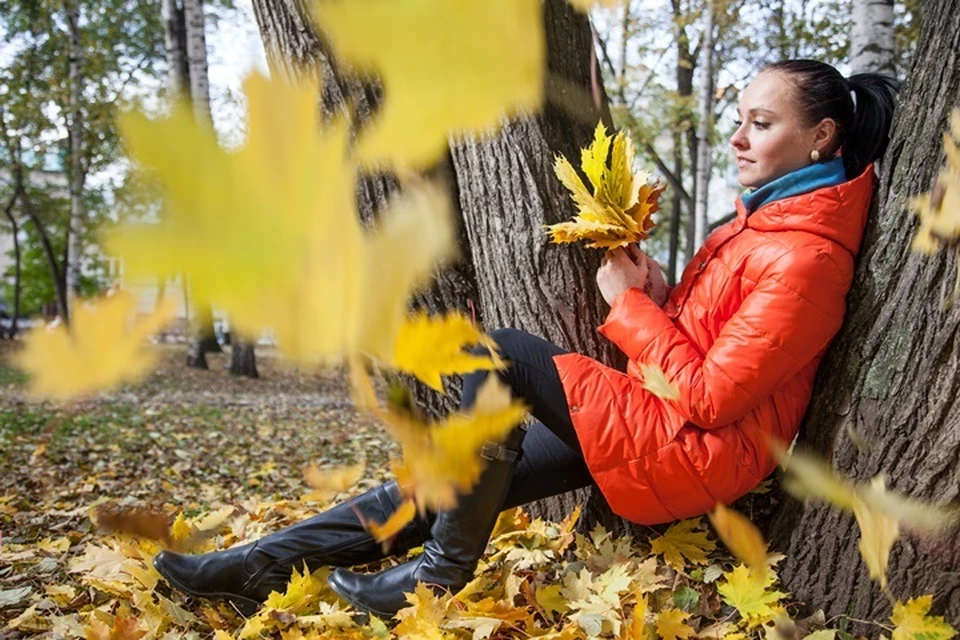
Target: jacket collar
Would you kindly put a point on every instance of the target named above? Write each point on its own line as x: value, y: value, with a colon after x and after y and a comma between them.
x: 837, y: 213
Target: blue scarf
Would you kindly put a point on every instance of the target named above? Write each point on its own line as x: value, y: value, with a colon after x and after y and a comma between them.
x: 809, y: 178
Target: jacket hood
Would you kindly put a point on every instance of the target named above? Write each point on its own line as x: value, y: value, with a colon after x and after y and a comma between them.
x: 837, y: 213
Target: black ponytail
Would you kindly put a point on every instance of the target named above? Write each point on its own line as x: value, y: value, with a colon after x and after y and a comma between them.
x: 867, y: 139
x: 862, y: 106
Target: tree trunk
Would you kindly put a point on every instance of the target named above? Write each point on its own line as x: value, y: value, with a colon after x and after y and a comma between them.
x: 676, y: 212
x: 56, y: 272
x: 174, y: 36
x: 15, y: 232
x: 196, y: 46
x: 203, y: 339
x: 75, y: 131
x: 243, y: 360
x: 686, y: 66
x: 892, y: 374
x: 872, y: 45
x: 292, y: 46
x: 703, y: 164
x: 507, y: 191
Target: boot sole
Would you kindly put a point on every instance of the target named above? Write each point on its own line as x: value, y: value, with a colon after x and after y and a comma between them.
x: 246, y: 606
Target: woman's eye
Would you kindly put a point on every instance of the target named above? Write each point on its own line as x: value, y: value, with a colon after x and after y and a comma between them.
x: 761, y: 125
x: 738, y: 123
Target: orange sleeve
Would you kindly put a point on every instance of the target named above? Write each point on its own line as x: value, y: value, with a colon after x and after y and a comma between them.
x: 780, y: 327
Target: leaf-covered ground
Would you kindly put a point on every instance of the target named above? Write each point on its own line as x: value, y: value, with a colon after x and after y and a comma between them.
x: 218, y: 453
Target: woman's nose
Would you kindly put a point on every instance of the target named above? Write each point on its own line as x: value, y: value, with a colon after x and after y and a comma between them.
x: 738, y: 140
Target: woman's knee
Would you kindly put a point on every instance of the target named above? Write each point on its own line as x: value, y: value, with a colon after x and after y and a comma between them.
x: 508, y: 341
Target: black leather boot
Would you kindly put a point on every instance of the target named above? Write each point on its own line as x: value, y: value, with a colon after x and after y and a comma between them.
x: 245, y: 575
x: 458, y: 539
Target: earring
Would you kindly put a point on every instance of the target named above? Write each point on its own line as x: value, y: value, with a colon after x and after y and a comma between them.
x: 814, y: 156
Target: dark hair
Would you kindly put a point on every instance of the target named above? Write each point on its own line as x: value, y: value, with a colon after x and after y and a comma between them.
x: 863, y: 128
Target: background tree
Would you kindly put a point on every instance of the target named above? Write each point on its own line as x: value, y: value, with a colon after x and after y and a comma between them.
x: 891, y: 375
x: 872, y: 45
x: 71, y: 67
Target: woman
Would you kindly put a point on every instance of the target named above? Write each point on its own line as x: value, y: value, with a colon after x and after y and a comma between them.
x: 740, y: 337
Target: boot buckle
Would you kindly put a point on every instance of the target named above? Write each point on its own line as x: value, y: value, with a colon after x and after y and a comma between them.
x: 496, y: 451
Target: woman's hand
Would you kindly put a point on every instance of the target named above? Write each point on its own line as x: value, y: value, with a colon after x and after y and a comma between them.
x: 618, y: 272
x: 657, y: 285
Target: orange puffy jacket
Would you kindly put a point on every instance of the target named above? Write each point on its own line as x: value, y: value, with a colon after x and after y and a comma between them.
x: 741, y: 336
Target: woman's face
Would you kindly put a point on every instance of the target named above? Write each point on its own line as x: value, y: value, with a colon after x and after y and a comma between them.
x: 771, y: 139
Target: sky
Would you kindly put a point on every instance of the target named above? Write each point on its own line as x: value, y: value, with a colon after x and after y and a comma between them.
x: 234, y: 50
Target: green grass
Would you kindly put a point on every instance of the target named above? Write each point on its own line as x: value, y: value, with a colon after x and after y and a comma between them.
x: 9, y: 375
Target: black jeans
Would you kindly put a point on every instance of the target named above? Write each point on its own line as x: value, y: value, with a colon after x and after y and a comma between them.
x: 552, y: 461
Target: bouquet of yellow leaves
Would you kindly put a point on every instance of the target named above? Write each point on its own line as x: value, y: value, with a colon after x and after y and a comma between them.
x: 618, y: 212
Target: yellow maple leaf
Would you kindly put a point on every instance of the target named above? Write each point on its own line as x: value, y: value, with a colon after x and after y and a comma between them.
x: 441, y: 460
x: 303, y: 590
x: 483, y: 59
x: 290, y: 255
x: 749, y: 595
x: 549, y: 599
x: 429, y: 347
x: 671, y: 624
x: 939, y: 210
x: 656, y: 382
x: 912, y: 621
x: 29, y: 620
x: 422, y: 619
x: 638, y: 627
x: 326, y: 483
x: 101, y: 349
x: 681, y: 544
x: 878, y: 532
x: 618, y: 211
x: 180, y: 529
x: 809, y: 476
x: 398, y: 520
x: 742, y: 538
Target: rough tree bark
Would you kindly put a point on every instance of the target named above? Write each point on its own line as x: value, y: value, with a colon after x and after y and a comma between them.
x: 872, y: 47
x: 893, y: 374
x: 506, y: 190
x: 294, y: 48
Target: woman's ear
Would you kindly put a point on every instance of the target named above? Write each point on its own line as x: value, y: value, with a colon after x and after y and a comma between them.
x: 825, y: 134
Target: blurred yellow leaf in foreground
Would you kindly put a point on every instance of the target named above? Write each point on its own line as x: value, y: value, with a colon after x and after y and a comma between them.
x: 443, y: 459
x: 879, y: 513
x: 104, y: 347
x: 429, y: 347
x: 742, y: 538
x: 270, y: 233
x: 326, y: 483
x: 446, y: 67
x: 939, y: 210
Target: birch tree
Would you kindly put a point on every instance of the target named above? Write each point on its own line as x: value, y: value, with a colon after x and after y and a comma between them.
x: 872, y: 45
x: 701, y: 222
